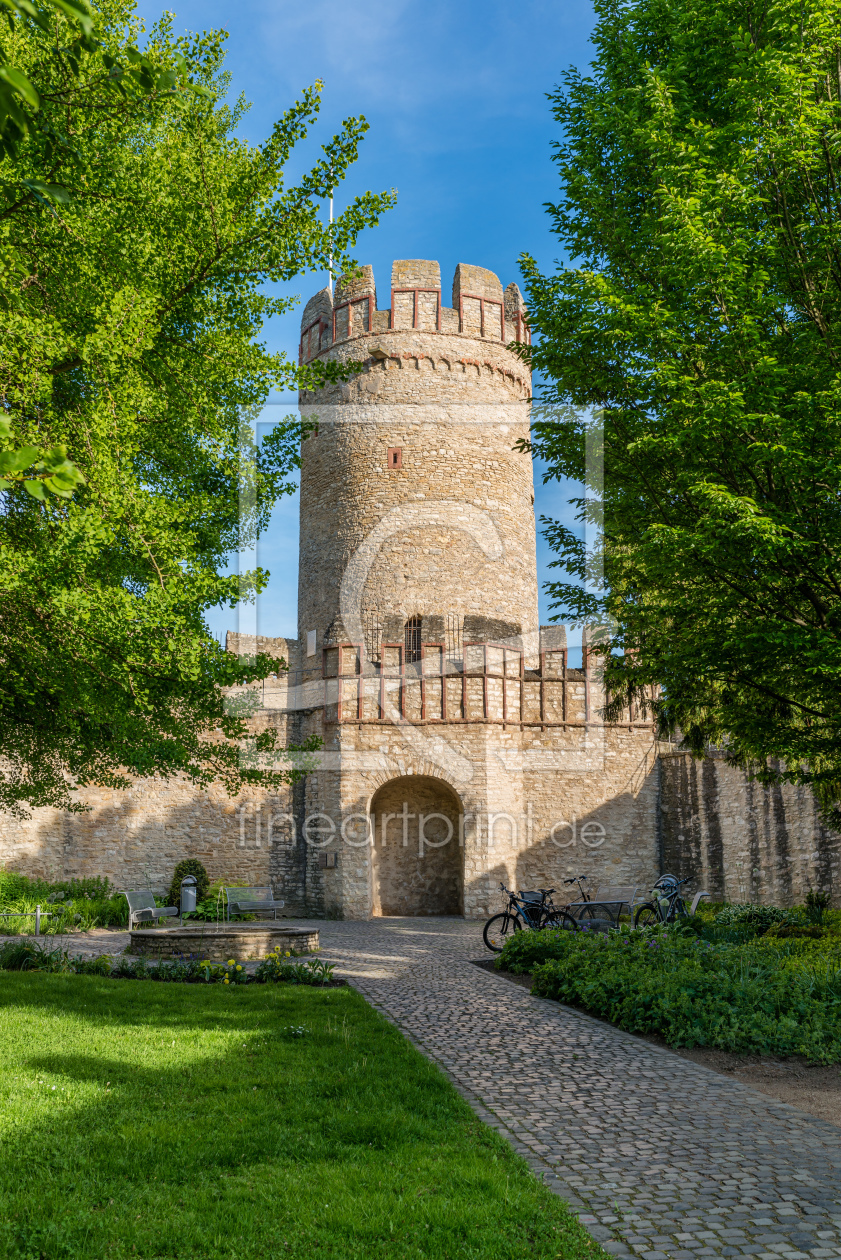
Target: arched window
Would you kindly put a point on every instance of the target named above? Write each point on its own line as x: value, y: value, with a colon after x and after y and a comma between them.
x: 412, y: 633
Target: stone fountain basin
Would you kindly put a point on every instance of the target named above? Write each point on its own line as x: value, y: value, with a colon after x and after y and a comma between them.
x: 221, y: 941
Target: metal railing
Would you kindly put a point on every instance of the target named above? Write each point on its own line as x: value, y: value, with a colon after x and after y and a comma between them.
x: 38, y: 914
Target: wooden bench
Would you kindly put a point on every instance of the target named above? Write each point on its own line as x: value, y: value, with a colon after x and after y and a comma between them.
x: 142, y: 909
x: 252, y: 900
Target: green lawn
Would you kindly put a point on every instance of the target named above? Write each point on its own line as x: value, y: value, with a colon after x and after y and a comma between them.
x: 143, y: 1119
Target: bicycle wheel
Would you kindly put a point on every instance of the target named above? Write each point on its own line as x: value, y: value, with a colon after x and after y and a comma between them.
x: 596, y: 918
x: 560, y: 921
x: 647, y: 915
x: 499, y: 929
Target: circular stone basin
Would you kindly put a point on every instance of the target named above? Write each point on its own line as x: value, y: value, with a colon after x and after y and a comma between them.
x: 219, y: 942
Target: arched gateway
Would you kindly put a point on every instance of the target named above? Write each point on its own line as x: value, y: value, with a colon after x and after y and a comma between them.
x: 417, y: 848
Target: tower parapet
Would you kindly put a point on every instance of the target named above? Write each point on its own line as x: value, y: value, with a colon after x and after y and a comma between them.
x: 480, y: 310
x: 416, y: 507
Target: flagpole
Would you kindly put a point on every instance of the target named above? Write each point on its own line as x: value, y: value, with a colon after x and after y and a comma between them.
x: 331, y: 243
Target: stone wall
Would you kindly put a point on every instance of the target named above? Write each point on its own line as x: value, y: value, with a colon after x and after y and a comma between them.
x: 741, y: 841
x: 416, y: 854
x: 137, y: 837
x: 564, y: 802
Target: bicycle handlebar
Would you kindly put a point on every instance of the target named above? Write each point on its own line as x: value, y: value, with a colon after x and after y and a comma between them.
x: 576, y: 879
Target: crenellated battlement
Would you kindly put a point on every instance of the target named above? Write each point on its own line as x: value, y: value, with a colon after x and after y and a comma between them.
x: 480, y: 309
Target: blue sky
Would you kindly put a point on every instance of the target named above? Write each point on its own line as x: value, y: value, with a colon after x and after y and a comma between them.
x: 455, y: 95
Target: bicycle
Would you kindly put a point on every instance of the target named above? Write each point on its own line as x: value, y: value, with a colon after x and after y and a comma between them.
x: 586, y: 913
x: 526, y: 911
x: 667, y: 906
x: 578, y: 880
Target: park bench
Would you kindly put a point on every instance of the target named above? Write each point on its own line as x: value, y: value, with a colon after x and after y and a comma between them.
x: 256, y: 900
x: 142, y: 908
x: 607, y: 904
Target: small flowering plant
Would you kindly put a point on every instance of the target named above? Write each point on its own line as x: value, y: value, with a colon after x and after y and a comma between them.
x: 232, y: 972
x: 282, y: 965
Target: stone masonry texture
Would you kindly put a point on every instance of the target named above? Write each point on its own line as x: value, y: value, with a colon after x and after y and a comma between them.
x: 441, y: 704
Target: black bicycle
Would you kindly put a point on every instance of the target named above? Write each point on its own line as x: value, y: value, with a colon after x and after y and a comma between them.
x: 578, y: 880
x: 526, y: 911
x: 666, y: 906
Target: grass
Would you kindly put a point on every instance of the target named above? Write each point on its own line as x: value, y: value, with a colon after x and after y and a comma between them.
x: 140, y: 1119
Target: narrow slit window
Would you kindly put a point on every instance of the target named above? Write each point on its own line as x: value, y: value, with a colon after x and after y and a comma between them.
x: 412, y: 637
x: 395, y: 457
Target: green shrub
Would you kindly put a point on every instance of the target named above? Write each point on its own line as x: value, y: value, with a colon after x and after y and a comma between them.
x: 817, y: 903
x: 189, y: 866
x: 801, y: 930
x: 762, y: 997
x: 209, y: 911
x: 27, y: 956
x: 753, y: 915
x: 283, y: 966
x: 83, y: 903
x: 15, y: 887
x: 524, y: 951
x: 93, y: 889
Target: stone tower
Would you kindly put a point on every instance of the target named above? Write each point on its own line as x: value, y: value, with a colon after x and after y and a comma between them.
x: 415, y: 506
x: 458, y: 748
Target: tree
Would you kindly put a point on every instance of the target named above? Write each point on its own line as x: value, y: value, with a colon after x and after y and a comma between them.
x: 137, y: 237
x: 696, y: 344
x: 19, y: 98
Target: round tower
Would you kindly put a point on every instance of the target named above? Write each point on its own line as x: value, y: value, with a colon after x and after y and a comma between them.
x: 417, y: 511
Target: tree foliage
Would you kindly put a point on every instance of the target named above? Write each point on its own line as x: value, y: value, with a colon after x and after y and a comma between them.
x: 695, y: 345
x: 138, y: 235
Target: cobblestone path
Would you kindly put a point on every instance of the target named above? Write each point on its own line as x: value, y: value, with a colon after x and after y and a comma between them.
x: 658, y: 1156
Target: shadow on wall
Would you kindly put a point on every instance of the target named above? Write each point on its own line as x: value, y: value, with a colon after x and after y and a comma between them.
x: 136, y: 838
x: 612, y: 844
x: 742, y: 841
x: 557, y: 837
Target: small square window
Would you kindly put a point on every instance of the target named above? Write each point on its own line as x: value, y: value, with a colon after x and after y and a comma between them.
x: 395, y: 457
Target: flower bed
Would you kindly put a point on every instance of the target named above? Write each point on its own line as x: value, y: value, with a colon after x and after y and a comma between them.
x: 738, y: 987
x: 278, y: 966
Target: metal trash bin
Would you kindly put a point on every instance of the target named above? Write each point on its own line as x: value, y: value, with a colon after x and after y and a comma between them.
x: 189, y: 884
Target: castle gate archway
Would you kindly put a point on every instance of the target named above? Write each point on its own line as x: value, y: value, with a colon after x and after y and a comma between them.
x: 417, y: 857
